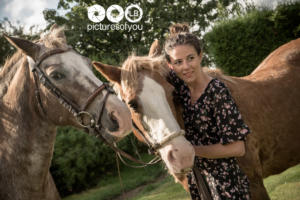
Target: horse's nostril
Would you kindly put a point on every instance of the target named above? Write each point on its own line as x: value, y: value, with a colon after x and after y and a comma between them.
x: 114, y: 120
x: 171, y: 157
x: 112, y: 116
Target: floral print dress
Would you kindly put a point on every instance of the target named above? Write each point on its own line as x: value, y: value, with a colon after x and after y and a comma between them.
x: 214, y: 118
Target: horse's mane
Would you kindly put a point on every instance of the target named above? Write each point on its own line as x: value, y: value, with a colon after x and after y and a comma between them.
x: 10, y: 61
x: 134, y: 64
x: 7, y: 72
x: 51, y: 40
x: 217, y: 73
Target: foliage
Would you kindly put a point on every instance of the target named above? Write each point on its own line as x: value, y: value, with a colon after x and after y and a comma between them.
x: 237, y: 46
x: 80, y: 160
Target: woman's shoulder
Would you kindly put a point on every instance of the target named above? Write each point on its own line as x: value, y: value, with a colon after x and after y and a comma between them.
x: 219, y: 90
x: 217, y: 86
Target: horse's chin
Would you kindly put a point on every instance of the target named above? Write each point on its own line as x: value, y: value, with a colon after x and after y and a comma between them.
x: 117, y: 135
x: 179, y: 177
x: 182, y: 179
x: 110, y: 137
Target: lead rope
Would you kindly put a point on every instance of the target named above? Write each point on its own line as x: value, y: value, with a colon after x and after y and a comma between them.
x: 135, y: 149
x: 202, y: 185
x: 120, y: 178
x: 155, y: 160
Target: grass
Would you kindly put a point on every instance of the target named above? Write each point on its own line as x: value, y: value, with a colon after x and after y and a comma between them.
x: 166, y: 189
x: 284, y: 186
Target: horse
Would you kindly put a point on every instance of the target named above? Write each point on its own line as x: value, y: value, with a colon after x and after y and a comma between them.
x: 268, y: 100
x: 33, y: 104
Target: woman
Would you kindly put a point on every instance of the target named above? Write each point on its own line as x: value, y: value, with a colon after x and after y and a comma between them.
x: 213, y: 123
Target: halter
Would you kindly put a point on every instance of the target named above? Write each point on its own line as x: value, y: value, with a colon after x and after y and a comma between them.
x: 155, y: 146
x: 201, y: 183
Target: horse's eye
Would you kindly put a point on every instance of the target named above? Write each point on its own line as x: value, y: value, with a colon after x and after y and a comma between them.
x: 57, y: 76
x: 133, y: 104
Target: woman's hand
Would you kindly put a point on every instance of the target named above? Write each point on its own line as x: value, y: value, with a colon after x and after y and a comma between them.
x: 234, y: 149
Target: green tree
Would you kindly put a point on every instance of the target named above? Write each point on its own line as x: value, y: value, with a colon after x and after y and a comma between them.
x: 248, y: 39
x: 113, y: 46
x: 80, y: 160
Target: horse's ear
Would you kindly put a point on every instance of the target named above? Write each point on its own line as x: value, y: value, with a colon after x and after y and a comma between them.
x: 29, y: 48
x: 155, y: 49
x: 111, y: 73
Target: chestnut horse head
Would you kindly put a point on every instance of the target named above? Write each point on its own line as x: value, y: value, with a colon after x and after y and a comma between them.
x: 142, y: 84
x: 39, y: 86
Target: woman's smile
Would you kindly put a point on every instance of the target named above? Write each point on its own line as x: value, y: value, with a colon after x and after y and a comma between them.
x: 188, y: 75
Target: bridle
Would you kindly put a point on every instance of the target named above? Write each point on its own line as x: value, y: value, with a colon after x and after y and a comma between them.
x: 76, y: 110
x: 94, y: 126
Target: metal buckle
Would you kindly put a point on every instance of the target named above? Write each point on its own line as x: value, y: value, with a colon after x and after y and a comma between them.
x: 80, y: 116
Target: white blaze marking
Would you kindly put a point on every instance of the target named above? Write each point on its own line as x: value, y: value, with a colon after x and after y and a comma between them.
x: 157, y: 113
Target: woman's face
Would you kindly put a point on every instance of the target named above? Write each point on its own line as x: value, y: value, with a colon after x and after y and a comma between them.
x: 185, y: 61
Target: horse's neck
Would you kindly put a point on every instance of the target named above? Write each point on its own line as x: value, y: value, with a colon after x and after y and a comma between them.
x: 26, y: 141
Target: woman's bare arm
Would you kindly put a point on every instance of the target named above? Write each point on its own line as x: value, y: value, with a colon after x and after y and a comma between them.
x: 234, y: 149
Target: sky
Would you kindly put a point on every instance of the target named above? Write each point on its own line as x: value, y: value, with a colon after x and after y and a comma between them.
x: 27, y: 12
x: 30, y: 12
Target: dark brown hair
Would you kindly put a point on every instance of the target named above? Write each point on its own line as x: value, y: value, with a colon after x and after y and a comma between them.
x: 180, y: 35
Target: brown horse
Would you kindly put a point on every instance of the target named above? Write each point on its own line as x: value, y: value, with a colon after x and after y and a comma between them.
x: 29, y: 112
x: 268, y: 99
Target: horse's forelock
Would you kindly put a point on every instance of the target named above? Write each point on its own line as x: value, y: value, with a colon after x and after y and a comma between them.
x: 54, y: 39
x: 137, y: 64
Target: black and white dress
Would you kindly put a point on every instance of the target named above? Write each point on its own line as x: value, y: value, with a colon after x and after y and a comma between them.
x: 214, y: 118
